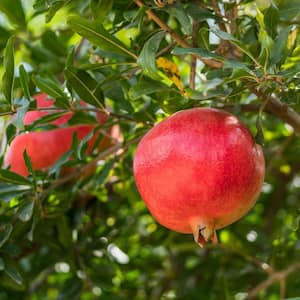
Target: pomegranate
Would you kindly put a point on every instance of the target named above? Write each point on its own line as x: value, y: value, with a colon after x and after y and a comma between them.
x: 198, y: 171
x: 45, y: 147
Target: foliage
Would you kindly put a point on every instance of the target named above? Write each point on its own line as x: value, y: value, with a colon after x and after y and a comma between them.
x: 70, y: 237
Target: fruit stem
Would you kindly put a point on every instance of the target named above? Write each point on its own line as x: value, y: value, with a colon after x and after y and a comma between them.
x: 203, y: 234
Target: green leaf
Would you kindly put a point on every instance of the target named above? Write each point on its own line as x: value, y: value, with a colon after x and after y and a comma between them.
x: 26, y: 211
x: 14, y: 274
x: 64, y: 232
x: 71, y: 289
x: 14, y: 12
x: 53, y: 10
x: 9, y: 191
x: 11, y: 177
x: 95, y: 33
x: 19, y: 116
x: 228, y: 37
x: 102, y: 175
x: 264, y: 38
x: 100, y: 8
x: 201, y: 14
x: 10, y: 132
x: 5, y: 232
x: 2, y: 264
x: 178, y: 13
x: 146, y: 87
x: 59, y: 163
x: 198, y: 51
x: 85, y: 86
x: 289, y: 9
x: 49, y: 86
x: 52, y: 43
x: 4, y: 36
x: 47, y: 119
x: 147, y: 57
x: 9, y: 66
x: 271, y: 20
x: 29, y: 166
x: 279, y: 49
x: 24, y: 80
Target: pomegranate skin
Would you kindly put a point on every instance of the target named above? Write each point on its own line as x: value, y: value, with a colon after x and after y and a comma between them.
x: 198, y: 171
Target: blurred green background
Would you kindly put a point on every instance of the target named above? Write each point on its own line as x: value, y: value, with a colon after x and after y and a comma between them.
x: 93, y: 238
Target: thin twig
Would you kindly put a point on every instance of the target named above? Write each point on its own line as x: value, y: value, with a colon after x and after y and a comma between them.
x: 193, y: 59
x: 273, y: 278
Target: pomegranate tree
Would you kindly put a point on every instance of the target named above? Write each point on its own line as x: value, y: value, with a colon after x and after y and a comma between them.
x: 198, y: 171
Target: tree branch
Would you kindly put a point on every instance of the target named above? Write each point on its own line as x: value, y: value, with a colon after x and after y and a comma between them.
x: 280, y: 110
x: 278, y: 276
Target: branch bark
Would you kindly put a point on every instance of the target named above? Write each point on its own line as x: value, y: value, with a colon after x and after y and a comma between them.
x: 280, y: 110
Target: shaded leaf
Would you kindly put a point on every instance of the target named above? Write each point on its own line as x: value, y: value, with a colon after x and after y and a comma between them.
x: 198, y: 51
x: 5, y: 232
x: 14, y: 274
x: 11, y: 177
x: 147, y: 57
x: 24, y: 80
x: 178, y: 13
x: 9, y: 66
x: 49, y: 86
x: 26, y: 211
x: 52, y: 10
x: 85, y: 86
x: 146, y: 87
x: 280, y: 46
x: 100, y: 8
x: 14, y: 12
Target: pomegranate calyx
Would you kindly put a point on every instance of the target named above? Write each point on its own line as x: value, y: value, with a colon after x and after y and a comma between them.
x: 203, y: 234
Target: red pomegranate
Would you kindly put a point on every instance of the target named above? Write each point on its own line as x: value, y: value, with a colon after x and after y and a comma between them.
x: 198, y: 171
x: 45, y: 147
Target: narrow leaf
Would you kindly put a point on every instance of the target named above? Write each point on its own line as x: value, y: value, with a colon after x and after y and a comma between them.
x: 14, y: 274
x: 24, y: 80
x: 95, y: 33
x: 9, y: 191
x: 198, y: 51
x: 53, y: 10
x: 146, y: 87
x: 49, y: 86
x: 178, y: 13
x: 100, y: 8
x: 85, y: 86
x: 104, y: 172
x: 11, y: 177
x: 26, y: 212
x: 280, y: 46
x: 9, y: 66
x: 5, y: 233
x: 2, y: 264
x: 14, y: 12
x: 19, y: 116
x: 147, y: 57
x: 228, y: 37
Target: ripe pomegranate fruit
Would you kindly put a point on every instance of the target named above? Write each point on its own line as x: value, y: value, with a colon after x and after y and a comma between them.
x: 45, y: 147
x: 198, y: 171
